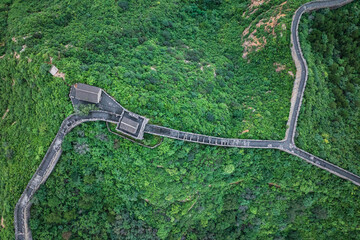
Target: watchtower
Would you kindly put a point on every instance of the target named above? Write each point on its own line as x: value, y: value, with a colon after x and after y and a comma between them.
x: 87, y: 93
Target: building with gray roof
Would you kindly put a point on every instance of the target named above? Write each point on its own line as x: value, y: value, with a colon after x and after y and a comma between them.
x: 87, y: 93
x: 132, y: 125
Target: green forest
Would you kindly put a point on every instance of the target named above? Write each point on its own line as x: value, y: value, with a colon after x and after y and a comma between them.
x: 215, y: 67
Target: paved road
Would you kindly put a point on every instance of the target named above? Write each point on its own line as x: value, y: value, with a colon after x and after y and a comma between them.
x: 300, y: 61
x: 22, y: 209
x: 283, y: 145
x: 210, y: 140
x: 110, y: 111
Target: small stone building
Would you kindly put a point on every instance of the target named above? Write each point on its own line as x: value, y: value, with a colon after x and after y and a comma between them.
x: 132, y: 125
x: 87, y: 93
x: 53, y: 70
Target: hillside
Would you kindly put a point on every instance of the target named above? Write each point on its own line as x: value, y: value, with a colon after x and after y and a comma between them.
x: 222, y: 68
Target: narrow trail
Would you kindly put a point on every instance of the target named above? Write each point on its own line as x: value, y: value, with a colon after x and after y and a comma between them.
x: 111, y: 111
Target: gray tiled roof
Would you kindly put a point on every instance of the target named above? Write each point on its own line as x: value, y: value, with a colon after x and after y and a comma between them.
x: 87, y: 93
x: 129, y: 125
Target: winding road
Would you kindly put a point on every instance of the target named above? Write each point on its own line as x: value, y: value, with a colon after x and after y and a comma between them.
x: 110, y: 111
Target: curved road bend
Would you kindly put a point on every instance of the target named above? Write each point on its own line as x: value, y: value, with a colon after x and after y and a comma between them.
x: 111, y: 112
x: 300, y: 62
x: 22, y: 208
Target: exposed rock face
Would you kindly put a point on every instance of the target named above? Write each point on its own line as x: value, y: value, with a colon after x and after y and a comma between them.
x: 279, y: 67
x: 251, y: 41
x: 2, y: 222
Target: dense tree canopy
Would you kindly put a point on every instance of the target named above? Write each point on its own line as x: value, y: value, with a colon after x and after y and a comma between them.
x: 180, y: 63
